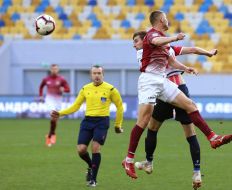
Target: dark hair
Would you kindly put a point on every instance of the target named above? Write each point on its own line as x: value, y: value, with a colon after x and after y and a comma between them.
x: 154, y: 16
x: 141, y: 34
x: 97, y: 66
x: 54, y: 65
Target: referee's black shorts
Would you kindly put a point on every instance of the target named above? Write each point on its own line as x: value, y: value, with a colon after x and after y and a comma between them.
x: 163, y: 111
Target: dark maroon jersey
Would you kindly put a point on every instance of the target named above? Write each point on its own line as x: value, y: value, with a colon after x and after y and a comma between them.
x: 54, y: 84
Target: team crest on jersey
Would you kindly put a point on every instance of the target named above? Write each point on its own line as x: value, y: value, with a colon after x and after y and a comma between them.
x: 103, y: 99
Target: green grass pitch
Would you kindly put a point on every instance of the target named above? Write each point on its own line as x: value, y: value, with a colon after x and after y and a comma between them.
x: 26, y: 164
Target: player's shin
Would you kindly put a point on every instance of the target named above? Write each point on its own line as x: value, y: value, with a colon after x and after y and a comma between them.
x: 201, y: 124
x: 136, y: 133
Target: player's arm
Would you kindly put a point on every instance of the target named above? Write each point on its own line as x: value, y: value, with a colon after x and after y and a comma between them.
x: 41, y: 86
x: 117, y: 100
x: 73, y: 108
x: 160, y: 41
x: 198, y: 51
x: 178, y: 65
x: 65, y: 86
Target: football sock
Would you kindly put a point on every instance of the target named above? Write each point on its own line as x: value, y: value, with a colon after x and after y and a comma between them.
x: 52, y: 128
x: 195, y: 152
x: 150, y: 144
x: 86, y: 158
x: 134, y: 140
x: 201, y: 124
x: 96, y: 160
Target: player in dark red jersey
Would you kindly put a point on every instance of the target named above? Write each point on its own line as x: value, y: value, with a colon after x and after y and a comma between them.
x: 163, y: 111
x: 153, y: 84
x: 56, y: 85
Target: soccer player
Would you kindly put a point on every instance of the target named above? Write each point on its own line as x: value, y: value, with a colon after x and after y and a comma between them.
x: 163, y: 111
x: 153, y: 84
x: 98, y: 96
x: 56, y: 86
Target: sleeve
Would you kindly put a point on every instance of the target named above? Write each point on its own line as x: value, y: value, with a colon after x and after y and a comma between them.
x: 177, y: 50
x: 75, y: 106
x: 117, y: 100
x: 151, y: 36
x: 66, y: 86
x: 42, y: 84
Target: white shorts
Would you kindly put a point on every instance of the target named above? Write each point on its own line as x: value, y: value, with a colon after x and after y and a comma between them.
x: 152, y: 86
x: 53, y: 103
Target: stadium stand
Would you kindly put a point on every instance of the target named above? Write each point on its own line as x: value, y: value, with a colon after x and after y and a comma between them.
x: 208, y: 23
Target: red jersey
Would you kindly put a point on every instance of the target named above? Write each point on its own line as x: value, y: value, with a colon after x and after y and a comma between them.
x: 155, y: 58
x: 54, y: 84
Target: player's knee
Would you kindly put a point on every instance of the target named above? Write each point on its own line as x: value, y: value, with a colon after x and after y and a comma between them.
x: 81, y: 149
x: 96, y: 147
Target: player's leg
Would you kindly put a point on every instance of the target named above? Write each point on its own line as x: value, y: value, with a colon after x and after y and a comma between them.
x: 161, y: 112
x: 84, y: 138
x: 53, y: 104
x: 179, y: 99
x: 99, y: 137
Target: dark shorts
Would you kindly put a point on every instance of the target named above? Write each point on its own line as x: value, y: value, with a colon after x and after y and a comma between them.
x: 93, y: 128
x: 163, y: 111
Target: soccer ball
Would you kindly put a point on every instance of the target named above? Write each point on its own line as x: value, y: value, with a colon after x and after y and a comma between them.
x: 44, y: 24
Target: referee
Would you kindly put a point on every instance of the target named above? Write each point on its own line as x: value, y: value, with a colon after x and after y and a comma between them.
x: 98, y: 96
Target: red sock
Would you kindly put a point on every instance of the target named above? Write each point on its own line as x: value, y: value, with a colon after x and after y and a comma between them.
x: 201, y: 124
x: 52, y: 128
x: 134, y: 140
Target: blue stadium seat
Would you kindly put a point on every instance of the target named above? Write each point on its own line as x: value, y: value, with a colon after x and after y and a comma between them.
x: 63, y: 16
x: 1, y: 37
x: 3, y: 9
x: 179, y: 16
x: 204, y: 7
x: 6, y: 3
x: 228, y: 16
x: 168, y: 2
x: 59, y: 9
x: 15, y: 17
x: 76, y: 37
x: 92, y: 17
x: 131, y: 2
x: 96, y: 23
x: 140, y: 16
x: 45, y: 3
x: 201, y: 59
x: 67, y: 23
x: 2, y: 23
x: 40, y: 9
x: 92, y: 2
x: 125, y: 24
x: 223, y: 9
x: 166, y: 8
x: 149, y: 2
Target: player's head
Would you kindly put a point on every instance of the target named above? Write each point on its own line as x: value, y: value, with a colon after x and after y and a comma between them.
x: 54, y: 69
x: 159, y: 19
x: 138, y: 39
x: 97, y: 74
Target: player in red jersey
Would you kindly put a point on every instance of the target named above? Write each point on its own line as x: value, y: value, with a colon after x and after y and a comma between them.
x: 56, y: 85
x: 153, y: 84
x: 163, y: 111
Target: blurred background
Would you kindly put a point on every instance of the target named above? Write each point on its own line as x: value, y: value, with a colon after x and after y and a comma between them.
x: 100, y: 32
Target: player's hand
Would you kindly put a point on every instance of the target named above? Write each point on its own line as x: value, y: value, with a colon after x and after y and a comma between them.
x: 118, y: 130
x: 191, y: 70
x: 41, y: 99
x: 180, y: 36
x: 54, y: 115
x: 212, y: 52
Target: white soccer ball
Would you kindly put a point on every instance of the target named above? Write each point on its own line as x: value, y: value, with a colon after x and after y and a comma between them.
x: 44, y: 24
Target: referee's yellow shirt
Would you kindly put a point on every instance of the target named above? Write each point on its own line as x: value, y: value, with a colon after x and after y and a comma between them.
x: 98, y: 100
